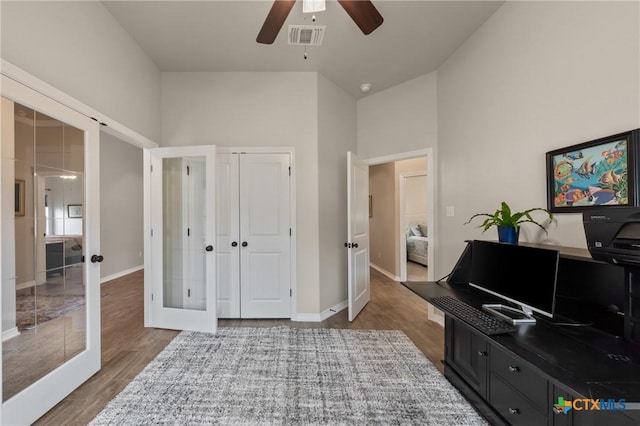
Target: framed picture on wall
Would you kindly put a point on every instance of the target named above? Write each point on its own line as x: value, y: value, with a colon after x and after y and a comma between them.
x: 74, y: 210
x: 601, y: 172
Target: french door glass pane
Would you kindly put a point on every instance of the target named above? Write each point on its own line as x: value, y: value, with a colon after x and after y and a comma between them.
x: 184, y: 189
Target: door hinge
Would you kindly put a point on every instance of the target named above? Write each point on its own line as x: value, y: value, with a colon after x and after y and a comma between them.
x: 152, y: 297
x: 188, y: 232
x: 290, y: 292
x: 289, y: 231
x: 151, y: 166
x: 187, y: 170
x: 152, y: 232
x: 188, y: 292
x: 289, y: 170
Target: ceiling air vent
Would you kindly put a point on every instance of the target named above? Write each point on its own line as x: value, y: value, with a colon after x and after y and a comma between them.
x: 308, y: 35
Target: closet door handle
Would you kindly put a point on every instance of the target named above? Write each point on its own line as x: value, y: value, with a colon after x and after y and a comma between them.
x: 244, y: 244
x: 234, y: 244
x: 209, y: 248
x: 354, y: 245
x: 96, y: 258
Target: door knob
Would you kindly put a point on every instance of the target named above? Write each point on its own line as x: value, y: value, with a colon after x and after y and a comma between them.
x: 347, y: 245
x: 209, y: 248
x: 234, y: 244
x: 354, y: 245
x: 96, y: 258
x: 244, y: 244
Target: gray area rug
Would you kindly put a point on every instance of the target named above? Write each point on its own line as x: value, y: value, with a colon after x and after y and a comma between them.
x: 281, y: 375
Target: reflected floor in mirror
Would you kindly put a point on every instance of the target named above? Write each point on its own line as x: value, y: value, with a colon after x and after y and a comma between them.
x: 51, y: 320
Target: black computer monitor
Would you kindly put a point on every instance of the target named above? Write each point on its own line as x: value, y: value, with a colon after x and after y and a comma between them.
x: 519, y: 274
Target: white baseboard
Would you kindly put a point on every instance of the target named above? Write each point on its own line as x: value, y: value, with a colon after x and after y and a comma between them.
x: 327, y: 313
x: 10, y: 333
x: 384, y: 272
x: 120, y: 274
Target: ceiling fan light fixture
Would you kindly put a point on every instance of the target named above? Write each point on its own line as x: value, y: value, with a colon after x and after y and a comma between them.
x: 312, y: 6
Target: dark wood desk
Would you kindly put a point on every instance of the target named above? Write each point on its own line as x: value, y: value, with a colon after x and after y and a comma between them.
x: 517, y: 378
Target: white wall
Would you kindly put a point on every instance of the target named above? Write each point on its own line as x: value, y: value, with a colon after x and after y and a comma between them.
x: 121, y: 199
x: 271, y: 109
x: 80, y: 49
x: 400, y: 119
x: 337, y: 134
x: 535, y: 77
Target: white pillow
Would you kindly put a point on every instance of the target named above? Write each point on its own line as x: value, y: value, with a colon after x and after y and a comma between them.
x: 415, y: 230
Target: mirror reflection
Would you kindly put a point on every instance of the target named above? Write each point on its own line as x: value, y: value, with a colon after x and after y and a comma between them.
x: 43, y: 321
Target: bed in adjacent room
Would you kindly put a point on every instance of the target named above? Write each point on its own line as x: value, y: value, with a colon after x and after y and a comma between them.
x: 417, y: 244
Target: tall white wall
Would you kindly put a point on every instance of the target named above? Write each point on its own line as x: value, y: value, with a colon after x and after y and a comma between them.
x: 121, y: 206
x: 246, y: 109
x: 535, y: 77
x: 401, y: 119
x: 337, y: 134
x: 79, y: 48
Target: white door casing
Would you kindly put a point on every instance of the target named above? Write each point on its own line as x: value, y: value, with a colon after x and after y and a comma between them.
x: 183, y: 262
x: 32, y: 402
x: 358, y: 234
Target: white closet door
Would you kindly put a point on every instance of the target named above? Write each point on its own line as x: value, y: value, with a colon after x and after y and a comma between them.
x: 265, y: 240
x: 227, y: 228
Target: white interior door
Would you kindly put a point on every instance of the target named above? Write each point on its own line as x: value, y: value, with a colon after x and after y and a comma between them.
x: 228, y: 230
x: 358, y: 238
x: 183, y: 263
x: 265, y: 236
x: 63, y: 352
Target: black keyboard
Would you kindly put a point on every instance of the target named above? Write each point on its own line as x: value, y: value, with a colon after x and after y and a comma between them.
x: 483, y: 321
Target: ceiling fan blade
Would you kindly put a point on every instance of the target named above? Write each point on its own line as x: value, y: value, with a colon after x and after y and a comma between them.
x: 274, y: 21
x: 363, y: 13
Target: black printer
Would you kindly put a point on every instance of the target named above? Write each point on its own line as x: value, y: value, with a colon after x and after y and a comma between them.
x: 613, y: 234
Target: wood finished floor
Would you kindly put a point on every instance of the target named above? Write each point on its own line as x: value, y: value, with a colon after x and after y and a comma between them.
x: 127, y: 347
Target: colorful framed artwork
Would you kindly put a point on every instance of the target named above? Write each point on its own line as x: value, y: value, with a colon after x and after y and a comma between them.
x: 602, y: 172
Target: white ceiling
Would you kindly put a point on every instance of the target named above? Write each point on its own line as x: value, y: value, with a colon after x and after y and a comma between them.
x: 415, y: 38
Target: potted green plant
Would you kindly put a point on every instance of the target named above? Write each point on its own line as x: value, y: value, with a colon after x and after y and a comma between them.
x: 508, y: 222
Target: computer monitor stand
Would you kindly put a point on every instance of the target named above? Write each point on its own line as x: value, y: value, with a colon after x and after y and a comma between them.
x: 513, y: 315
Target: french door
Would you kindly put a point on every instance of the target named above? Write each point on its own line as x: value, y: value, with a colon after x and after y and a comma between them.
x: 358, y: 234
x: 183, y: 263
x: 50, y: 252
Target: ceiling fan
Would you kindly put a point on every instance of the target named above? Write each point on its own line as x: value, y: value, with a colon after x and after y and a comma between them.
x: 363, y: 13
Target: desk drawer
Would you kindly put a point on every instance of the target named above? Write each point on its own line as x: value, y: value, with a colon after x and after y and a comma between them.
x: 520, y: 376
x: 512, y: 405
